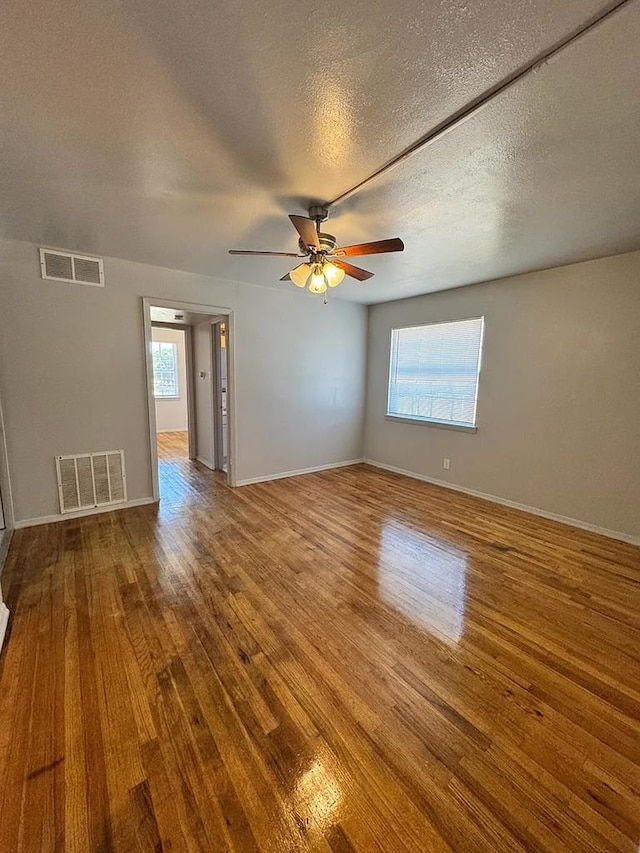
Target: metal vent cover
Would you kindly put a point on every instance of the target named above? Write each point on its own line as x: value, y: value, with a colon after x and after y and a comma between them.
x: 65, y: 266
x: 89, y: 480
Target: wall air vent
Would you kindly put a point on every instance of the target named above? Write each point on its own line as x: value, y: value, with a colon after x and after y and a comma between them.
x: 64, y: 266
x: 89, y: 480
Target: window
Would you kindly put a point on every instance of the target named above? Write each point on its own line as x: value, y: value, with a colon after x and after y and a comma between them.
x: 165, y: 369
x: 434, y: 372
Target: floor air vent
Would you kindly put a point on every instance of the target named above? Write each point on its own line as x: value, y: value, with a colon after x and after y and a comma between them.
x: 63, y: 266
x: 89, y: 480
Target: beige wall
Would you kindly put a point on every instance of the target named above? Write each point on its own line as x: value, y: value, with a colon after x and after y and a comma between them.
x: 171, y: 414
x: 558, y: 410
x: 559, y: 396
x: 72, y: 372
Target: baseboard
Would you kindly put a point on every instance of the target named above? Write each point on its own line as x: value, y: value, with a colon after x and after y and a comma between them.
x: 533, y: 510
x: 67, y: 516
x: 206, y: 463
x: 180, y: 429
x: 284, y: 474
x: 4, y: 621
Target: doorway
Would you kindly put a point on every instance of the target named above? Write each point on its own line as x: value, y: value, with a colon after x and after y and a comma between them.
x: 169, y: 347
x: 190, y: 391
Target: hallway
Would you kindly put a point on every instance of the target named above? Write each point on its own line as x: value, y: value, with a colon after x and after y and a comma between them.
x: 173, y: 445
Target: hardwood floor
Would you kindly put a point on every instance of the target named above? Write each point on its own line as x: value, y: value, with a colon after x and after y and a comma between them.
x: 346, y: 661
x: 173, y: 445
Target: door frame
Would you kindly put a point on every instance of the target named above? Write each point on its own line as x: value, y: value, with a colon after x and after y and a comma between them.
x: 217, y: 391
x: 6, y: 496
x: 194, y: 308
x: 5, y: 482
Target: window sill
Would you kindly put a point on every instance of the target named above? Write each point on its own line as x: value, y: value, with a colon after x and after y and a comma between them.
x: 436, y: 424
x: 170, y: 399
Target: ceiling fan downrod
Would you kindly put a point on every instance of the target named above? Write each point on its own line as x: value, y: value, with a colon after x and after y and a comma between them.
x: 319, y: 213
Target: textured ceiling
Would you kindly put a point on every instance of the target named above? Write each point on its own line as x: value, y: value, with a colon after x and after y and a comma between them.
x: 168, y: 133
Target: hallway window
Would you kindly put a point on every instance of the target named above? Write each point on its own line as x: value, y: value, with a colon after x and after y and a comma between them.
x: 165, y: 370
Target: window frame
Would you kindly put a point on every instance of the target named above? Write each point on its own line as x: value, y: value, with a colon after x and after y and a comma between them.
x: 434, y: 422
x: 174, y: 346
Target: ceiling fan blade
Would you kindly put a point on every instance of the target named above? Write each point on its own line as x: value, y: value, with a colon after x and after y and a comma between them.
x: 274, y: 254
x: 286, y: 277
x: 306, y: 228
x: 375, y: 248
x: 354, y: 272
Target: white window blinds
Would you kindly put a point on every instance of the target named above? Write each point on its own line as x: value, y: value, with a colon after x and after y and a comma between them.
x: 165, y: 369
x: 434, y: 372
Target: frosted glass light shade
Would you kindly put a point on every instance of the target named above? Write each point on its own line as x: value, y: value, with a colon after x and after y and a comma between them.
x: 317, y: 283
x: 300, y: 274
x: 333, y: 274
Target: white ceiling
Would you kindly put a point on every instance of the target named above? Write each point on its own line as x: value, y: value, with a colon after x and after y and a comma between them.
x: 168, y: 133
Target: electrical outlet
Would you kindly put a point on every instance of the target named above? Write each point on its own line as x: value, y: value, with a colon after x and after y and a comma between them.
x: 446, y: 464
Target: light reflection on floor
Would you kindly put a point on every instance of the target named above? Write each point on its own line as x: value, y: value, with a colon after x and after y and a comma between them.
x: 318, y: 795
x: 424, y: 578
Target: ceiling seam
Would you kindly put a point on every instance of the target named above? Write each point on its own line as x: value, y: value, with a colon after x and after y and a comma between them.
x: 472, y: 108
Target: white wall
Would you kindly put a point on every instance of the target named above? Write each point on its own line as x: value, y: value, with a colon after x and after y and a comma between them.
x: 171, y: 414
x: 203, y: 363
x: 559, y: 395
x: 72, y: 372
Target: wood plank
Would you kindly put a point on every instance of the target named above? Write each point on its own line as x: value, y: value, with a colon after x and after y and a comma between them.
x: 346, y: 661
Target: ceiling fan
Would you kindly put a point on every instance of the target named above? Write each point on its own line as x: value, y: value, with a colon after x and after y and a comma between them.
x: 325, y: 265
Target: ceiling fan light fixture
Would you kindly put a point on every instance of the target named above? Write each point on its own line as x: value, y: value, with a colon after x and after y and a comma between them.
x: 300, y: 275
x: 333, y: 274
x: 318, y: 282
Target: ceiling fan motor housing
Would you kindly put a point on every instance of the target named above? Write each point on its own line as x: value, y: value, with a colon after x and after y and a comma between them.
x: 319, y: 213
x: 327, y: 241
x: 327, y: 244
